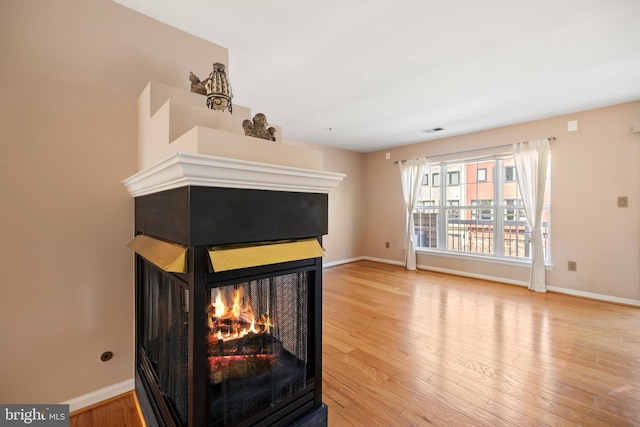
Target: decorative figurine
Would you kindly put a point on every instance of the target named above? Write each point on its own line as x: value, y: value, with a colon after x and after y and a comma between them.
x: 196, y: 85
x: 258, y: 128
x: 216, y: 87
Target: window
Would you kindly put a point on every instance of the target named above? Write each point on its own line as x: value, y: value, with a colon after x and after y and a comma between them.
x: 478, y: 210
x: 484, y: 213
x: 451, y: 211
x: 453, y: 178
x: 425, y: 179
x: 509, y: 173
x: 514, y: 210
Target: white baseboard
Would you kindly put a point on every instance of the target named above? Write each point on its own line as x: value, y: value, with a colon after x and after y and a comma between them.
x: 382, y: 260
x: 590, y: 295
x: 100, y: 395
x: 342, y: 261
x: 361, y: 258
x: 473, y: 275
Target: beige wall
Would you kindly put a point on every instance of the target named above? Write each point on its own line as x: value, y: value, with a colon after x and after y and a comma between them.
x: 346, y: 203
x: 590, y: 168
x: 70, y: 75
x: 346, y: 210
x: 67, y: 292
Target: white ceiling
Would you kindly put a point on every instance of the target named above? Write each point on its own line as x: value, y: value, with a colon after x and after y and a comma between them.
x: 368, y: 75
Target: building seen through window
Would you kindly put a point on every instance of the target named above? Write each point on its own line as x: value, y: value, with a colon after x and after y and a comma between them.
x: 476, y: 210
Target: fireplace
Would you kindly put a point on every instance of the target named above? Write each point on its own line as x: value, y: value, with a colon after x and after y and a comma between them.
x: 228, y: 281
x: 228, y: 306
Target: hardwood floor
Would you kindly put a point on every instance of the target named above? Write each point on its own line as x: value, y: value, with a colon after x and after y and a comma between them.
x: 419, y: 348
x: 405, y: 348
x: 120, y: 411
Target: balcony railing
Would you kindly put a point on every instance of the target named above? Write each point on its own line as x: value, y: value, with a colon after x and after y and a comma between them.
x: 476, y: 235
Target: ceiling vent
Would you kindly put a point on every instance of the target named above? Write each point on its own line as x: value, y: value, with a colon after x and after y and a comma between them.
x: 433, y: 130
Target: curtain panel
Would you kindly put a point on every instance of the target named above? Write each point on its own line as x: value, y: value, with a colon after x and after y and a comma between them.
x: 532, y: 161
x: 411, y: 174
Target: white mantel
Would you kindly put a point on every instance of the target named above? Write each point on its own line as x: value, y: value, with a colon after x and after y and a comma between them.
x: 184, y: 169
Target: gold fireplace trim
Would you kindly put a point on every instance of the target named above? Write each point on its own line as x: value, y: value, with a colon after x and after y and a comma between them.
x: 170, y: 257
x: 232, y: 258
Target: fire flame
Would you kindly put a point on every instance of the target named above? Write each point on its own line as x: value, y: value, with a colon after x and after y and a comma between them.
x: 230, y: 323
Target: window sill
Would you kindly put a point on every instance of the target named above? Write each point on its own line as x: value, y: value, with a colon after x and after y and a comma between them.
x: 479, y: 258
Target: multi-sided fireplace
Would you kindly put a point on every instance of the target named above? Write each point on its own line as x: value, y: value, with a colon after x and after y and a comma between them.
x: 220, y: 344
x: 228, y: 302
x: 228, y: 233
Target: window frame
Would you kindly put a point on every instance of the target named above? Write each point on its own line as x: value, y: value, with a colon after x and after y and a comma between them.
x: 512, y: 177
x: 450, y: 175
x: 496, y: 218
x: 484, y: 178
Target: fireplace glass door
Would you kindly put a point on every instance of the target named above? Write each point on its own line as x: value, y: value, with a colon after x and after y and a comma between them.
x: 257, y: 345
x: 163, y: 328
x: 259, y: 348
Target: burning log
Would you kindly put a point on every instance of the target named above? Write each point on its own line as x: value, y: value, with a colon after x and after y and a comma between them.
x: 243, y: 357
x: 240, y: 344
x: 236, y: 321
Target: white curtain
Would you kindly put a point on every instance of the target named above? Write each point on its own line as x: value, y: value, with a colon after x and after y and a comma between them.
x: 411, y: 173
x: 532, y: 161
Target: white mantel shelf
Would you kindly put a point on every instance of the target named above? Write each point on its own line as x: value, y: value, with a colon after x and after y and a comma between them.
x: 190, y: 169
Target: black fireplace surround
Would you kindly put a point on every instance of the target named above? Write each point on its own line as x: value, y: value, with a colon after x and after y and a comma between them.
x: 185, y: 376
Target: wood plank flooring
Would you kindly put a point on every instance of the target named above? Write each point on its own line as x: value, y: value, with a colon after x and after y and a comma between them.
x: 405, y: 348
x: 420, y: 348
x: 120, y: 411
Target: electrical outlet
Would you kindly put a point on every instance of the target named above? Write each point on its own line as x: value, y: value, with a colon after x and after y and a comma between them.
x: 386, y: 245
x: 572, y: 266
